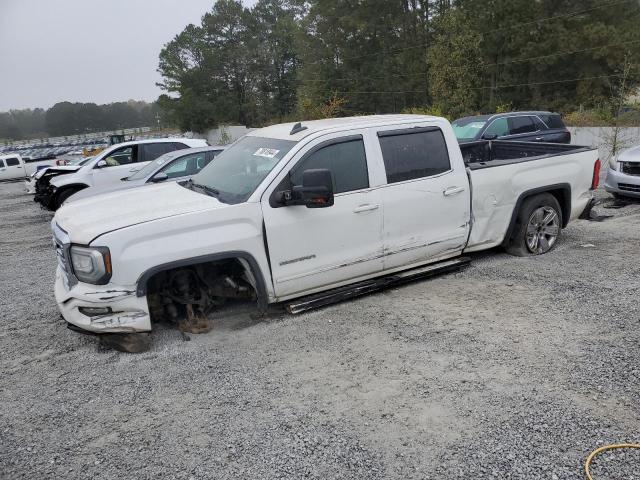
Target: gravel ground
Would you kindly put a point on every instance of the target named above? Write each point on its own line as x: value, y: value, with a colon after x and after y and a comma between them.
x: 515, y: 368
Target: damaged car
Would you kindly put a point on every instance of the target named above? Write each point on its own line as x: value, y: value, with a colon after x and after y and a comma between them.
x: 306, y: 214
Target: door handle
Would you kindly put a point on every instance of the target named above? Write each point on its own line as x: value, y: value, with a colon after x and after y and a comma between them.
x: 366, y: 208
x: 133, y: 170
x: 539, y: 139
x: 453, y: 191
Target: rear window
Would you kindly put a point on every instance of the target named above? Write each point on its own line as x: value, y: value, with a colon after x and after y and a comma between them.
x: 553, y: 120
x: 410, y: 155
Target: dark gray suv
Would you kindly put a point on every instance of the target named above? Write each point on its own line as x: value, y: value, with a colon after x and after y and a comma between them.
x: 522, y: 126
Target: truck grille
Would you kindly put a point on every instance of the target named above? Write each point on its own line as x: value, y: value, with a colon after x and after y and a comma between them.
x: 631, y: 168
x: 627, y: 187
x: 61, y: 243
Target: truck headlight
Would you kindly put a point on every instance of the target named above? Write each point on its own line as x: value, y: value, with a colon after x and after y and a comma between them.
x: 91, y: 264
x: 613, y: 163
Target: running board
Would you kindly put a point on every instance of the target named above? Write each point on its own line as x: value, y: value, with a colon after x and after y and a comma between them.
x: 369, y: 286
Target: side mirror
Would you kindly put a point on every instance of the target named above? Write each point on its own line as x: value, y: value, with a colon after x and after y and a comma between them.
x: 160, y: 177
x: 316, y: 190
x: 489, y: 136
x: 101, y: 164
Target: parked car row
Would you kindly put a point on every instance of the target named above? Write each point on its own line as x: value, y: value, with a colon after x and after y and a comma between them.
x: 302, y: 214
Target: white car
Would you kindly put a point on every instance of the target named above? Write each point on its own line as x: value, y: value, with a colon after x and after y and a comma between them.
x: 310, y: 213
x: 173, y: 166
x: 112, y: 164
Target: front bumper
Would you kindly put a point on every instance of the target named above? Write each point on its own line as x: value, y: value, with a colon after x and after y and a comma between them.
x: 622, y: 183
x: 130, y: 313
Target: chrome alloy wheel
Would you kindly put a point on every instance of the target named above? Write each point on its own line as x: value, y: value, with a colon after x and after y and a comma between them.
x: 542, y: 230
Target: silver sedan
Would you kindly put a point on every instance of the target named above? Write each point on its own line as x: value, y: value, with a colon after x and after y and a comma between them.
x: 623, y: 175
x: 173, y: 166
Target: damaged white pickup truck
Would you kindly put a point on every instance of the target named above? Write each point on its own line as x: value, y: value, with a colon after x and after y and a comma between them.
x: 304, y: 214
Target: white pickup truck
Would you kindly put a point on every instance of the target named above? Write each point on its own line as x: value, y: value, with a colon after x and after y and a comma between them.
x: 292, y: 210
x: 12, y: 167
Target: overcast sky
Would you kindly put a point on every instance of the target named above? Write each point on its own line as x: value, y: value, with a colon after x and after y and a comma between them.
x: 97, y: 51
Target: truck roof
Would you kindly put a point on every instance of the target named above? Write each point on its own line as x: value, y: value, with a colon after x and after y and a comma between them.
x: 286, y: 131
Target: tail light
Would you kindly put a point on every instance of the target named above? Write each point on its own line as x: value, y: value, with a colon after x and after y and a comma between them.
x: 595, y: 181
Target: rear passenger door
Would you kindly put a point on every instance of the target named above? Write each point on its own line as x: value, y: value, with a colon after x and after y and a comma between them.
x: 426, y: 200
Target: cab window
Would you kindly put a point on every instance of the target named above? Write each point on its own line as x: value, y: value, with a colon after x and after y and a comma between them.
x: 409, y: 155
x: 346, y: 160
x: 13, y: 162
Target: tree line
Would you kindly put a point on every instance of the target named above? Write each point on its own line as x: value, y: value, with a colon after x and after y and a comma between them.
x: 296, y: 59
x: 66, y: 118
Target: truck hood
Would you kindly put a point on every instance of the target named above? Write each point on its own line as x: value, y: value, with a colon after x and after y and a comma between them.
x: 104, y: 189
x: 87, y: 219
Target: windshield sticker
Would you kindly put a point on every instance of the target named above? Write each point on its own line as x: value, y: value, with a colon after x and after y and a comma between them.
x: 266, y: 152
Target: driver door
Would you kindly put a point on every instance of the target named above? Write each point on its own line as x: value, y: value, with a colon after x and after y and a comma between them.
x: 120, y: 163
x: 311, y: 248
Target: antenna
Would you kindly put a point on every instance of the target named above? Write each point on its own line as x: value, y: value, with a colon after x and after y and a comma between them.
x: 297, y: 128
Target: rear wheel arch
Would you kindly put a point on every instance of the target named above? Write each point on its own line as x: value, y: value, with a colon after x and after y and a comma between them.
x: 561, y: 192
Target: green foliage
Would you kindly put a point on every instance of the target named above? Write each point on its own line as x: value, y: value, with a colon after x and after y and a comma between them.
x: 504, y: 107
x: 433, y: 110
x: 238, y: 66
x: 454, y: 72
x: 283, y: 59
x: 332, y: 108
x: 587, y: 118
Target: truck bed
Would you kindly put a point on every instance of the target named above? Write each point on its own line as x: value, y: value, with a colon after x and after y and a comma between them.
x: 494, y: 153
x: 501, y: 173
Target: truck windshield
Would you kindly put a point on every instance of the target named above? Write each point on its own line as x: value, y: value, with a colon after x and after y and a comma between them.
x: 239, y: 169
x: 467, y: 128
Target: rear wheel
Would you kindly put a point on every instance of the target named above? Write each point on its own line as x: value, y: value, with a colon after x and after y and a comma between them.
x: 538, y: 226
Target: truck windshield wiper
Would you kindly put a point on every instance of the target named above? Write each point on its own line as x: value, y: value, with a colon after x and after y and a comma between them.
x: 209, y: 190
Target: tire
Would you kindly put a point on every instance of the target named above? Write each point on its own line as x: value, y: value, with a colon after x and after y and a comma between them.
x: 64, y: 195
x: 538, y: 226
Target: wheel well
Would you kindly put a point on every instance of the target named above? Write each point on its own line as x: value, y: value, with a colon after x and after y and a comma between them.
x: 562, y: 194
x: 73, y: 186
x: 202, y: 284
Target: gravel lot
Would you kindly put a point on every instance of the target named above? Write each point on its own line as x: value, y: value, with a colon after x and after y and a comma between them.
x: 511, y: 369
